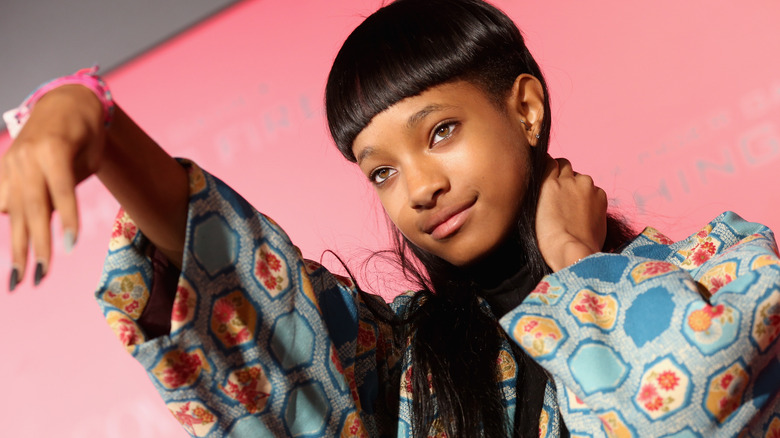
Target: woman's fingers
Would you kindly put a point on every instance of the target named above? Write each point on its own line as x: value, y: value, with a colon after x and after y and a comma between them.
x: 61, y: 184
x: 37, y: 217
x: 60, y: 144
x: 564, y: 168
x: 571, y: 215
x: 19, y: 242
x: 28, y: 201
x: 4, y: 192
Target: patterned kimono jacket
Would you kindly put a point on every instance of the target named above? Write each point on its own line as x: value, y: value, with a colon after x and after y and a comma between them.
x: 265, y: 343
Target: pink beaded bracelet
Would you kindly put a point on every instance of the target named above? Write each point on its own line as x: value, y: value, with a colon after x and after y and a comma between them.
x: 88, y: 77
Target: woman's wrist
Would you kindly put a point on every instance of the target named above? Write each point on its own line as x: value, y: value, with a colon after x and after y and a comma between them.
x: 87, y: 78
x: 569, y: 253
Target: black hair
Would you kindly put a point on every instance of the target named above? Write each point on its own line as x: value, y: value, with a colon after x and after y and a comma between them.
x: 400, y: 51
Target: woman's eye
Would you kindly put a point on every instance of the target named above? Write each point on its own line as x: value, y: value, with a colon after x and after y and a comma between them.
x: 442, y: 132
x: 381, y: 175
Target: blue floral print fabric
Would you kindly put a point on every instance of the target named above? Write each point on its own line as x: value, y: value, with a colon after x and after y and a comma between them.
x: 663, y: 339
x: 266, y: 343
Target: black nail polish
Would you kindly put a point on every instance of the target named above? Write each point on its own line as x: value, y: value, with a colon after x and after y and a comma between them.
x: 14, y: 280
x: 38, y: 273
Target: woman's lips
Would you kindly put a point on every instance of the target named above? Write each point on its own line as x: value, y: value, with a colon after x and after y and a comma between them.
x: 447, y: 222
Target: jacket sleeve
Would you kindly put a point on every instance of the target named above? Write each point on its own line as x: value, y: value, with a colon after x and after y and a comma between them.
x: 261, y: 341
x: 636, y: 349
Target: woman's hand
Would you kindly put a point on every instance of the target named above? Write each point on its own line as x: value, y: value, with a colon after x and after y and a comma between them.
x: 60, y: 145
x: 571, y: 217
x: 63, y: 142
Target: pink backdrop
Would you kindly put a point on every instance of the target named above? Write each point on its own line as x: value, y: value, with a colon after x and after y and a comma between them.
x: 672, y: 107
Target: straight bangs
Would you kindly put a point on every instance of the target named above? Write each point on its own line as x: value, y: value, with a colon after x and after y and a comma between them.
x: 412, y: 45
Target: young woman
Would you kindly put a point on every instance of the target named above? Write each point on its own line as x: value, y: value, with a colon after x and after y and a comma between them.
x: 448, y: 116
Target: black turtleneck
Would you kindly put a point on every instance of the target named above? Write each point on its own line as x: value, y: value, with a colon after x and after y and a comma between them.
x: 510, y: 292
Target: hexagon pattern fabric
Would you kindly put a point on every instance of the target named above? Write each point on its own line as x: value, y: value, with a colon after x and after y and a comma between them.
x: 644, y: 354
x: 265, y: 343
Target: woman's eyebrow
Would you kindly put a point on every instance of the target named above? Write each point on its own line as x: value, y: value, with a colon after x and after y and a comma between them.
x: 415, y: 118
x: 411, y: 122
x: 368, y: 150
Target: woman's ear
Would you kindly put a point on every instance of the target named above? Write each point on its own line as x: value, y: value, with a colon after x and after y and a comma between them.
x: 526, y: 105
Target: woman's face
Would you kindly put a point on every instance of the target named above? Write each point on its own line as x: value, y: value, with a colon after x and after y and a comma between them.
x: 450, y: 169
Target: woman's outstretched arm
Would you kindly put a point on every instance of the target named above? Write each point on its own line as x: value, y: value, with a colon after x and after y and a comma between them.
x: 64, y: 142
x: 148, y: 183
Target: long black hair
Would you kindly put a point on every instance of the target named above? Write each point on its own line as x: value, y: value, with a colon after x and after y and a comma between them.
x: 400, y: 51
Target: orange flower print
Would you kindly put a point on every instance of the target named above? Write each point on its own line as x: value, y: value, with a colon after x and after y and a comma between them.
x: 700, y: 320
x: 668, y: 380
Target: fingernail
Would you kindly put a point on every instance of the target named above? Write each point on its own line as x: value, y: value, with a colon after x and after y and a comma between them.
x: 14, y: 280
x: 38, y: 273
x: 69, y: 239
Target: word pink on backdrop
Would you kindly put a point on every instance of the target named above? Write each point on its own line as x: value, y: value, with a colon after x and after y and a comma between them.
x: 673, y: 107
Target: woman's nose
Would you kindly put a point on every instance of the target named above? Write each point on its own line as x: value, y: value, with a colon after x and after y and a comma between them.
x: 425, y: 184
